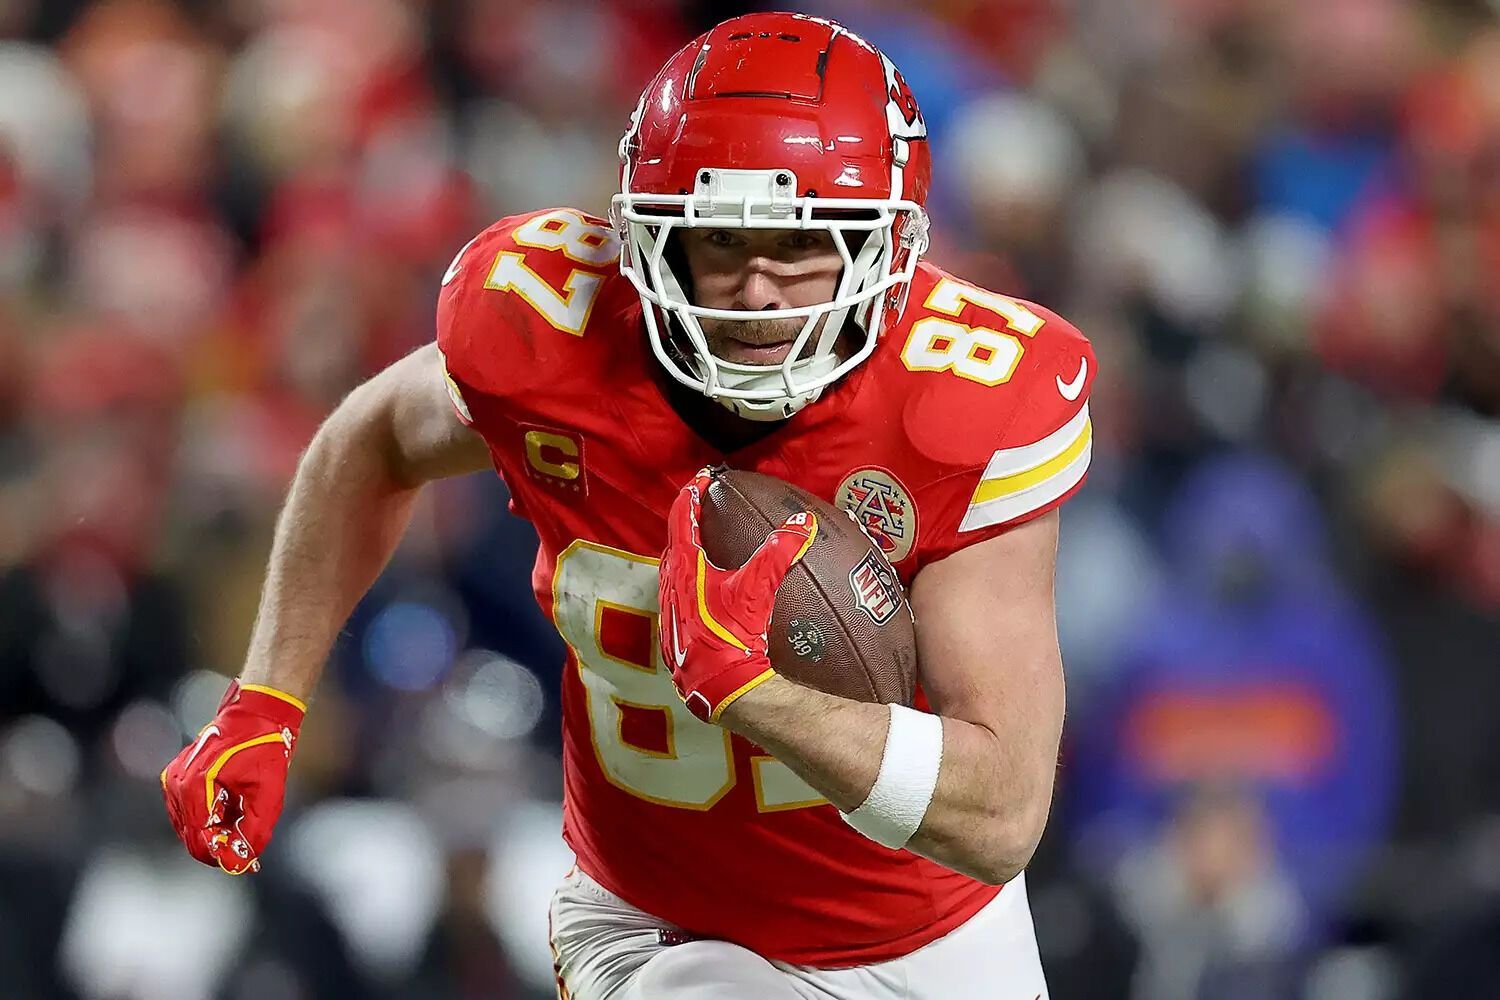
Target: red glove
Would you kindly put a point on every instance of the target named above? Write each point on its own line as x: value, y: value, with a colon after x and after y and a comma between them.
x: 714, y: 621
x: 224, y: 791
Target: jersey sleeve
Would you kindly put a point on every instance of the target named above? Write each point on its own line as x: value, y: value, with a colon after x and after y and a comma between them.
x: 1011, y: 452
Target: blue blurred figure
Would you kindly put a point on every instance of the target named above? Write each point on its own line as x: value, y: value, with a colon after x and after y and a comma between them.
x: 1321, y: 178
x: 1241, y: 760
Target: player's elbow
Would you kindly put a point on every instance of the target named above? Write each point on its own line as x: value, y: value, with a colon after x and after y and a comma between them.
x: 1006, y: 842
x: 997, y: 874
x: 1001, y: 856
x: 355, y: 438
x: 400, y: 428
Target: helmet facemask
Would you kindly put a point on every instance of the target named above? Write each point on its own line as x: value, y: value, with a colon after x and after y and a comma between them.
x: 876, y: 269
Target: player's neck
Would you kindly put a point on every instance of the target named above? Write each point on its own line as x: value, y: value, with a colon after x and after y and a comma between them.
x: 714, y: 422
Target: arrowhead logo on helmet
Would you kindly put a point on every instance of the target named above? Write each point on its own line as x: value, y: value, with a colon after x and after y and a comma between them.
x: 903, y: 98
x: 775, y: 121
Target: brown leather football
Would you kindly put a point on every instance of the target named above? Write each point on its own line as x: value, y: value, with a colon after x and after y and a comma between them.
x: 842, y: 623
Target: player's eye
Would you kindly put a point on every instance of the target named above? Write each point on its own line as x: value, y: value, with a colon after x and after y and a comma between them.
x: 721, y: 238
x: 805, y: 241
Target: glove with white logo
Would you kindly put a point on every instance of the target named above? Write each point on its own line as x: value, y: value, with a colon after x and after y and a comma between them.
x: 225, y: 790
x: 714, y: 621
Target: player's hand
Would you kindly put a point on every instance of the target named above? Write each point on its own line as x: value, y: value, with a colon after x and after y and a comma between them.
x: 224, y: 790
x: 714, y: 621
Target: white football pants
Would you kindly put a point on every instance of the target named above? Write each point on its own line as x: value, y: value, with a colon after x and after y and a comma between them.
x: 606, y: 949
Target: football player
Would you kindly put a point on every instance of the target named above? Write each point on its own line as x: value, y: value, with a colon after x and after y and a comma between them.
x: 757, y: 299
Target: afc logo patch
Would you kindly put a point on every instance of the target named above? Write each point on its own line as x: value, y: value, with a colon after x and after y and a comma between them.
x: 883, y: 509
x: 876, y: 588
x: 554, y: 458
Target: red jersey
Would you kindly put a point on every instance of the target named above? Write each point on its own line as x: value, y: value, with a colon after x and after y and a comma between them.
x: 970, y: 417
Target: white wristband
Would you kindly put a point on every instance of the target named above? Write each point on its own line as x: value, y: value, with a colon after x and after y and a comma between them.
x: 908, y: 776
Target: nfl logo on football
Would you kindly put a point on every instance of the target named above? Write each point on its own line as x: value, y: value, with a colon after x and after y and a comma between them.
x: 876, y: 588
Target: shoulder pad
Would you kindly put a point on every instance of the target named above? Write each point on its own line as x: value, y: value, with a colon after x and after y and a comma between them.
x: 519, y: 297
x: 1006, y: 399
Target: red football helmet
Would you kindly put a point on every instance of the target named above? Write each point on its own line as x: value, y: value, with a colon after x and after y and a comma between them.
x: 775, y: 121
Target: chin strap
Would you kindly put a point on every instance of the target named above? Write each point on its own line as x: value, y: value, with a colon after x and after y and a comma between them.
x: 767, y: 412
x: 778, y: 409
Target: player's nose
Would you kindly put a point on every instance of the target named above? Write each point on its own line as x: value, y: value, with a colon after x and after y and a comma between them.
x: 760, y: 290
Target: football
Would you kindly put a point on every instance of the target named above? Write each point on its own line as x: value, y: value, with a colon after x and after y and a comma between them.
x: 842, y: 622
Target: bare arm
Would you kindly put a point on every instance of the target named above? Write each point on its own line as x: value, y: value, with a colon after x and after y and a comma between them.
x: 347, y: 508
x: 987, y: 646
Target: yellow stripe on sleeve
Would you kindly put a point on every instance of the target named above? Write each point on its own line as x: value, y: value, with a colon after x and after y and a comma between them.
x: 1002, y: 486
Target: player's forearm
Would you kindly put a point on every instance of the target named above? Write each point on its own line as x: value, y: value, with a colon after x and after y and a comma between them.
x: 986, y: 814
x: 343, y: 517
x: 991, y: 802
x: 839, y: 755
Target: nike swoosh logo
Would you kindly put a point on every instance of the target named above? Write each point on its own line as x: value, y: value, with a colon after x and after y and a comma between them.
x: 457, y: 264
x: 1070, y: 390
x: 678, y: 653
x: 202, y: 739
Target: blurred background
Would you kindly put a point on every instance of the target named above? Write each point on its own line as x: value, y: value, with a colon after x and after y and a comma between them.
x: 1279, y: 222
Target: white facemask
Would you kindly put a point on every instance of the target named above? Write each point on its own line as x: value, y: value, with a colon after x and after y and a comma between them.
x: 765, y: 199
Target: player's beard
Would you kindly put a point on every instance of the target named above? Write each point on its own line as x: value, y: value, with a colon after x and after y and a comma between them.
x: 752, y: 341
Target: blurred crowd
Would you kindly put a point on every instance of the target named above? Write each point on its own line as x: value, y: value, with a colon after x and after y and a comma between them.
x: 1279, y: 222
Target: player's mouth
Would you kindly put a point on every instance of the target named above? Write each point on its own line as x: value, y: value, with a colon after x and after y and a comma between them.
x: 747, y: 353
